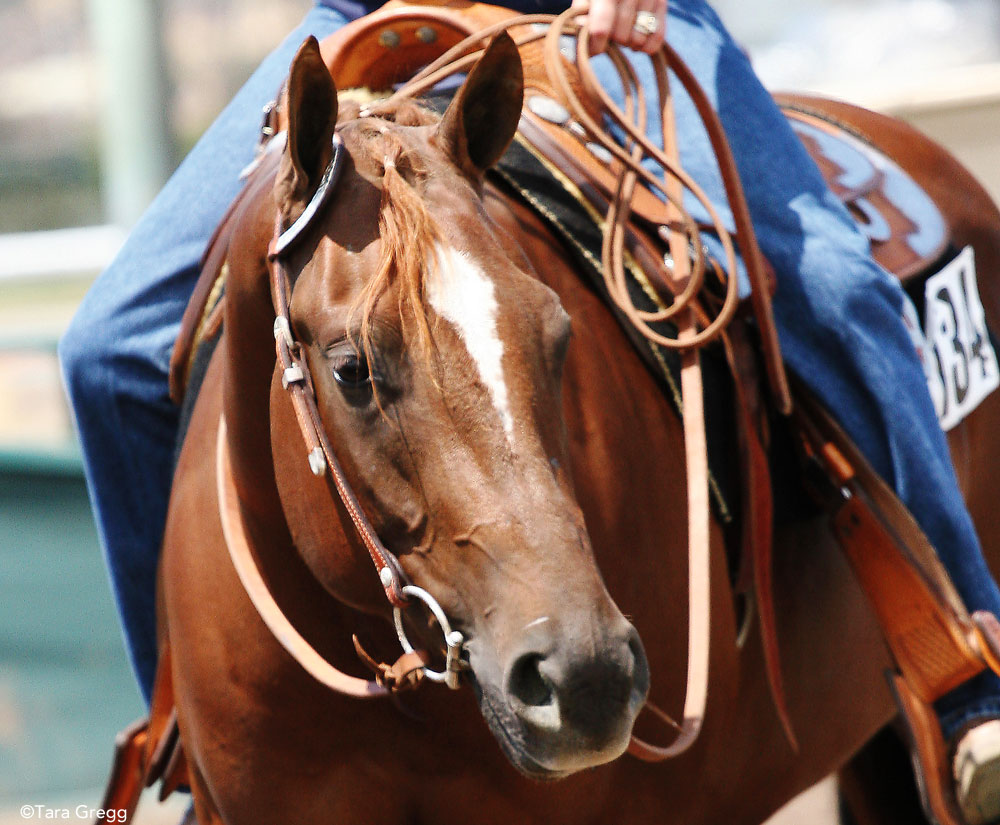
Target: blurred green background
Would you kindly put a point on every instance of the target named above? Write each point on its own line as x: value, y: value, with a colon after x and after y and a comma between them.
x: 73, y: 75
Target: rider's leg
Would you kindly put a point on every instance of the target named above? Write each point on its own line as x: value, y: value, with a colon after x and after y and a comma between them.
x: 116, y: 352
x: 838, y: 317
x: 838, y: 313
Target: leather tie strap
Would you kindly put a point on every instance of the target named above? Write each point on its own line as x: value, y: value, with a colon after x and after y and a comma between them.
x: 406, y: 673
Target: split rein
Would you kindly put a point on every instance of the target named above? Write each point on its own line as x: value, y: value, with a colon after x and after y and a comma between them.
x: 685, y: 269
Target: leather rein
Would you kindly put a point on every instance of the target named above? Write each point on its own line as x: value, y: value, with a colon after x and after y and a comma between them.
x: 684, y: 270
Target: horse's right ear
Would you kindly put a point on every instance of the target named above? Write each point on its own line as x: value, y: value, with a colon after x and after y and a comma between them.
x: 481, y: 120
x: 310, y: 103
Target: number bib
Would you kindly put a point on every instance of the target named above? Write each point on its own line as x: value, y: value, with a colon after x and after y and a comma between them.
x: 958, y: 358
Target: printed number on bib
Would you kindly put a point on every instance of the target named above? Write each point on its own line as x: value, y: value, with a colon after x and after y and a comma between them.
x: 960, y: 363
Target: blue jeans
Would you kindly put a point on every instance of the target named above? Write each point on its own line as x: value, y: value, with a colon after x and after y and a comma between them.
x: 116, y: 353
x: 838, y: 315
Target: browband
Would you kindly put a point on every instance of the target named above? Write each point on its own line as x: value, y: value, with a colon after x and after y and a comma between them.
x: 327, y: 184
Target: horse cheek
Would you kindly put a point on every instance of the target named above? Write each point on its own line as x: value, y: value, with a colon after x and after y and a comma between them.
x: 317, y: 521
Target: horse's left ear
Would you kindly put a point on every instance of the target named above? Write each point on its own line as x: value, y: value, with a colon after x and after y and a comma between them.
x: 311, y: 101
x: 481, y: 121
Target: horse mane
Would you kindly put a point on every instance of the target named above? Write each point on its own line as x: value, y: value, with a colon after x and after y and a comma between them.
x: 409, y: 233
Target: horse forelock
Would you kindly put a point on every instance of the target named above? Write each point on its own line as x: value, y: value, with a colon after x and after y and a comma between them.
x: 409, y: 233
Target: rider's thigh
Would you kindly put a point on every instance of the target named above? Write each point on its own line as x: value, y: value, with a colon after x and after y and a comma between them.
x: 147, y: 285
x: 115, y: 355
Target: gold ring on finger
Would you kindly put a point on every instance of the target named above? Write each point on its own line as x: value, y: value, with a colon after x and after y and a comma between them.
x: 645, y: 23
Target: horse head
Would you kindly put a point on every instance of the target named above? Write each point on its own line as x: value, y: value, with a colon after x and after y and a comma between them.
x: 436, y: 359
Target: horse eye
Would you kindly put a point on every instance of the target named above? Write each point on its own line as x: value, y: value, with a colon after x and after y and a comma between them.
x: 353, y: 372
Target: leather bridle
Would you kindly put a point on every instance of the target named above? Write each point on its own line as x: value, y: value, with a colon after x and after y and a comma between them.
x: 297, y: 381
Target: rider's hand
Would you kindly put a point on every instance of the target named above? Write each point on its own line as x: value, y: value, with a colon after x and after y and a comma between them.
x: 616, y: 19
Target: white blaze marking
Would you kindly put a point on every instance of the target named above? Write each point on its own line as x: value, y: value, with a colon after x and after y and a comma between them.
x: 461, y: 293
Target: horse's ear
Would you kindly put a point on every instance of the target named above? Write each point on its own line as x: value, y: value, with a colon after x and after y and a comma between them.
x: 481, y: 121
x: 311, y: 101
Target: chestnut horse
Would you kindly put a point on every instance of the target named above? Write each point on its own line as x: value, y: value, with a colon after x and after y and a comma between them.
x: 524, y: 466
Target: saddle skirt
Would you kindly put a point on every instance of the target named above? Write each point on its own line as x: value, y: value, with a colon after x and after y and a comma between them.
x: 907, y: 231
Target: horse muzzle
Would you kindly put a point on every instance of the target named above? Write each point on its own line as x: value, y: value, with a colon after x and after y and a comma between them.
x: 567, y: 700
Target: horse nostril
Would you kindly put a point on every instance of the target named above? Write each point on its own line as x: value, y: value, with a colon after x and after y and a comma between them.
x: 526, y: 682
x: 640, y: 665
